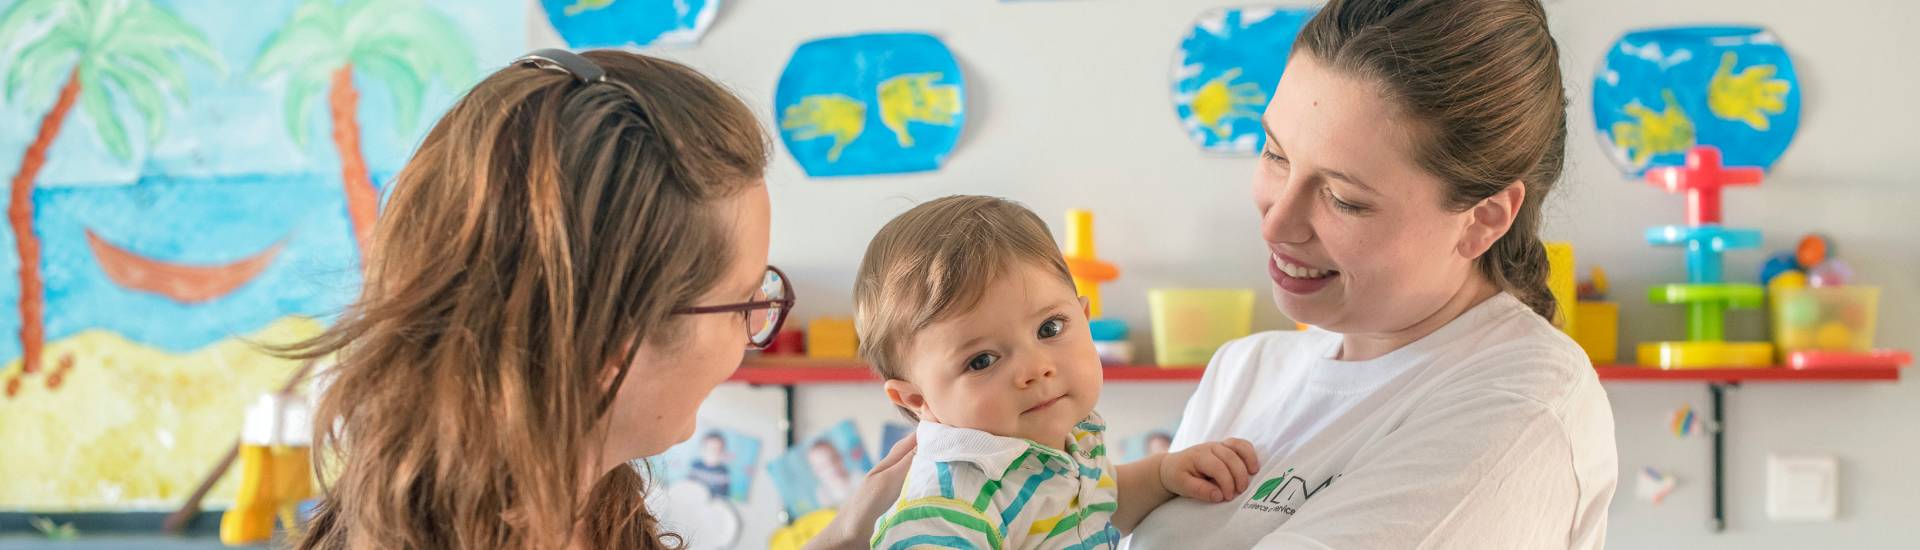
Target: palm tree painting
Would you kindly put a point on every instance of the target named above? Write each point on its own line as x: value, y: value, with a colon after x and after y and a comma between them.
x: 161, y: 242
x: 110, y: 51
x: 402, y: 44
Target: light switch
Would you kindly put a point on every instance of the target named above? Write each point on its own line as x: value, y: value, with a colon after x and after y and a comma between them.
x: 1802, y: 487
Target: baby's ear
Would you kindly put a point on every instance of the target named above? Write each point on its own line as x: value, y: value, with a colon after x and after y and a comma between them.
x: 907, y: 396
x: 1086, y: 307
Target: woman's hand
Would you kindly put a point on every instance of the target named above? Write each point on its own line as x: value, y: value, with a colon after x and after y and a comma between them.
x: 853, y: 525
x: 1211, y: 472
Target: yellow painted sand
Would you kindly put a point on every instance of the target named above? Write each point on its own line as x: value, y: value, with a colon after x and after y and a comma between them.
x: 132, y: 427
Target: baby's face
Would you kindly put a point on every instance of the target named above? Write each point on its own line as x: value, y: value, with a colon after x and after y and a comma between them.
x: 1020, y: 364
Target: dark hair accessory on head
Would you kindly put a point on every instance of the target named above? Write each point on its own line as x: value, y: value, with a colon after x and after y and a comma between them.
x: 556, y: 59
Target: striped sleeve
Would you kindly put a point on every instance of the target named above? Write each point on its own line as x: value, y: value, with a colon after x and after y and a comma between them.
x: 937, y: 522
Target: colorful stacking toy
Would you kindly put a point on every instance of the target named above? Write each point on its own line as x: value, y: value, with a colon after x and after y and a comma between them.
x: 1706, y: 294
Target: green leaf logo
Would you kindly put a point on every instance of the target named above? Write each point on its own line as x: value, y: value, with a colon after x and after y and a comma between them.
x: 1268, y: 487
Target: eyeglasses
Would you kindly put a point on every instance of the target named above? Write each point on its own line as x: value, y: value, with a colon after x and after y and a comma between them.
x: 764, y: 314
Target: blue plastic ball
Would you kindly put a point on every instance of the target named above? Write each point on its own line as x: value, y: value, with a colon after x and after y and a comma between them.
x: 1777, y: 264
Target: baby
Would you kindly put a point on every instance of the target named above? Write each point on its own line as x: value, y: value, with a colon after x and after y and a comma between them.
x: 965, y: 307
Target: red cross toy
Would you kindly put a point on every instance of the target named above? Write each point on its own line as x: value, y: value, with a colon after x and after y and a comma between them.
x: 1702, y: 179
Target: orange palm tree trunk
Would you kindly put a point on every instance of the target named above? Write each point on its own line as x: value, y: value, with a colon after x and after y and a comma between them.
x: 20, y: 217
x: 363, y: 201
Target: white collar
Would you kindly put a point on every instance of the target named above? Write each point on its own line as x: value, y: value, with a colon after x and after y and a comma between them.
x: 994, y: 454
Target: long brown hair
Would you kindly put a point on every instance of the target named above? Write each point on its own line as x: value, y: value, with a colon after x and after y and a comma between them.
x: 544, y: 227
x: 1481, y: 81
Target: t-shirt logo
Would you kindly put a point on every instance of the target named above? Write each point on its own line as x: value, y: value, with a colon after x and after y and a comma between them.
x: 1285, y: 493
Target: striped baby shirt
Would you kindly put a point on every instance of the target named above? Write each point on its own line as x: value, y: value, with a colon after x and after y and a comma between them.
x: 974, y: 490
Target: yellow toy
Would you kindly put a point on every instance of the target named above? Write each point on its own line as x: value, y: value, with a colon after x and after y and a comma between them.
x: 1560, y: 281
x: 276, y: 471
x: 795, y: 536
x: 1599, y: 332
x: 1088, y: 271
x: 832, y: 338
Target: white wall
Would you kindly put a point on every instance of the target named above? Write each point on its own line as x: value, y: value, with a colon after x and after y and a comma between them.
x: 1068, y: 107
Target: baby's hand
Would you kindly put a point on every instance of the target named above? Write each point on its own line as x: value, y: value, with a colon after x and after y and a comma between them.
x: 1212, y: 472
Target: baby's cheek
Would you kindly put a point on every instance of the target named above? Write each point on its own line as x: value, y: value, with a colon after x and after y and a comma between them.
x: 990, y: 409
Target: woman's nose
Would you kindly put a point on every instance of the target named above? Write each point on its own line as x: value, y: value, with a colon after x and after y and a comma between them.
x: 1284, y: 212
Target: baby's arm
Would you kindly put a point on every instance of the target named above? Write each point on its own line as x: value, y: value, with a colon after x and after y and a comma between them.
x: 1210, y: 472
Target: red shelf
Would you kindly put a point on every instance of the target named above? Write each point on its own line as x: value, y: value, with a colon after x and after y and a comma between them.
x: 1632, y: 373
x: 770, y: 370
x: 781, y: 371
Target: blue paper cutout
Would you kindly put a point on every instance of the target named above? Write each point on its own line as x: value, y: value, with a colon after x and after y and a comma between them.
x: 615, y: 23
x: 871, y: 104
x: 1659, y: 92
x: 1227, y: 67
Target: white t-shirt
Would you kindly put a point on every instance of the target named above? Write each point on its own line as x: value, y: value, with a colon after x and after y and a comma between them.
x: 1492, y: 432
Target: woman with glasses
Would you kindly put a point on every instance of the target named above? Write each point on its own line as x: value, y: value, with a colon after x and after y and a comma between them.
x: 572, y: 260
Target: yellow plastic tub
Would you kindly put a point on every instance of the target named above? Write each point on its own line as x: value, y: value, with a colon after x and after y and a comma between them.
x: 1190, y: 324
x: 1839, y: 318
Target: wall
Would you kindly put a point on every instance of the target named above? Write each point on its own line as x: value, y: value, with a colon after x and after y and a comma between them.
x: 1069, y: 107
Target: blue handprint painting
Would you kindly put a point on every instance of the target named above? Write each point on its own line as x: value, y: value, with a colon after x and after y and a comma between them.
x: 871, y: 104
x: 1226, y: 67
x: 1659, y: 92
x: 615, y: 23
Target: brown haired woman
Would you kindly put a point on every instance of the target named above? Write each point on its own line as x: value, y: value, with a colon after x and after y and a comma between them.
x: 1409, y: 147
x: 573, y: 259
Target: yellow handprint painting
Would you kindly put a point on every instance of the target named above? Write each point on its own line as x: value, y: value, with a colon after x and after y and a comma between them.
x: 1224, y: 70
x: 831, y: 115
x: 835, y: 89
x: 916, y: 98
x: 615, y: 23
x: 1650, y: 133
x: 1749, y: 96
x: 1222, y: 99
x: 1661, y: 91
x: 581, y: 6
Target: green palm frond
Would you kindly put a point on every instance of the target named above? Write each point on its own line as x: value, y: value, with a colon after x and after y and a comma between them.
x: 146, y: 97
x: 97, y: 103
x: 25, y: 13
x: 420, y: 43
x: 303, y: 89
x: 311, y: 37
x: 402, y: 44
x: 122, y: 49
x: 306, y: 50
x: 148, y: 27
x: 40, y: 63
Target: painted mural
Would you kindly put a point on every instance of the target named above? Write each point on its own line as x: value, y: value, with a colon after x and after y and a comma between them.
x: 189, y: 181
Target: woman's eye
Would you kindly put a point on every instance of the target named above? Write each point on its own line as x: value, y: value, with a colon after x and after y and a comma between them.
x: 1052, y: 328
x: 1272, y: 156
x: 1344, y: 206
x: 982, y: 361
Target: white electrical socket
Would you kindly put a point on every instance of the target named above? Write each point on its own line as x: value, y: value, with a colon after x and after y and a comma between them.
x: 1802, y: 487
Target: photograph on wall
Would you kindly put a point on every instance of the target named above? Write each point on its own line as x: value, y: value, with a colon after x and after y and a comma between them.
x: 1145, y: 444
x: 821, y: 471
x: 890, y: 434
x: 718, y: 459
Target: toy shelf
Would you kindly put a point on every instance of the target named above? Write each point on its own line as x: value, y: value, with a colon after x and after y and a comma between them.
x: 781, y: 371
x: 790, y: 372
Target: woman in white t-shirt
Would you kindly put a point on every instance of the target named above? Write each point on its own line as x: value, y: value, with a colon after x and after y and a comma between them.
x: 1409, y: 147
